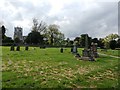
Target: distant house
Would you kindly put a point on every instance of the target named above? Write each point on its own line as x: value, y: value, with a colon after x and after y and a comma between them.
x: 18, y: 31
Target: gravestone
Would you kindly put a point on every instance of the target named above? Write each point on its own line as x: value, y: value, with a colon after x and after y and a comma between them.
x: 26, y: 48
x: 42, y: 47
x: 12, y: 48
x: 91, y: 56
x: 75, y: 48
x: 86, y: 51
x: 61, y: 50
x: 87, y: 54
x: 71, y: 49
x: 94, y: 49
x: 18, y: 48
x: 77, y: 55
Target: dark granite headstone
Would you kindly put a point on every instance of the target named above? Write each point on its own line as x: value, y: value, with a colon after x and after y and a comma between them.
x: 71, y: 49
x: 12, y: 48
x: 18, y: 48
x: 61, y: 50
x: 42, y: 47
x: 26, y: 48
x: 86, y: 51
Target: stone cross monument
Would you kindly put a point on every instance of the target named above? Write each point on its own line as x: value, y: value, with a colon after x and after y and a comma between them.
x: 86, y: 51
x: 86, y: 42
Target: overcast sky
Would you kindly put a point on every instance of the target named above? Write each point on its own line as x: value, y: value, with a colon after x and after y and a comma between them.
x: 97, y: 18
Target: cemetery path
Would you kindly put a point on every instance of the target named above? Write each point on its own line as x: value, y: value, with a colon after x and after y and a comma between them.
x: 108, y: 55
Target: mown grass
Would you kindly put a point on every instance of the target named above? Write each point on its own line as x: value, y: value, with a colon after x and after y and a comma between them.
x: 48, y: 68
x: 110, y: 52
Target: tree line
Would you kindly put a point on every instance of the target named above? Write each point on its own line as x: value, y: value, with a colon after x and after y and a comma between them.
x: 5, y: 39
x: 43, y: 34
x: 111, y: 41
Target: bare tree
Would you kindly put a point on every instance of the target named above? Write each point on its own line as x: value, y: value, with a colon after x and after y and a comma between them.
x: 39, y: 26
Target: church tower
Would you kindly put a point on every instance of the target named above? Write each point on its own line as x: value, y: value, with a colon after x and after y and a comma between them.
x: 18, y: 33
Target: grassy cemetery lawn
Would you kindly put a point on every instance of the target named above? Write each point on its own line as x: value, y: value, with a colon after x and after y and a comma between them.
x: 48, y: 68
x: 110, y: 52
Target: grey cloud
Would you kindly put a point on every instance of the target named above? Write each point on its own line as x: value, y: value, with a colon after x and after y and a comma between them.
x: 24, y: 10
x: 94, y: 21
x: 98, y: 21
x: 30, y: 10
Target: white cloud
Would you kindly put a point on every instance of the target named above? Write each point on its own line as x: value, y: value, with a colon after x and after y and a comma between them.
x: 75, y: 17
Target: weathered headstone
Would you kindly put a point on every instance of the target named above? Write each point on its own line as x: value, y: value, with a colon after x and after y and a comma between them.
x: 18, y: 48
x: 86, y: 52
x: 94, y: 49
x: 91, y: 57
x: 12, y: 48
x: 61, y: 50
x: 75, y: 48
